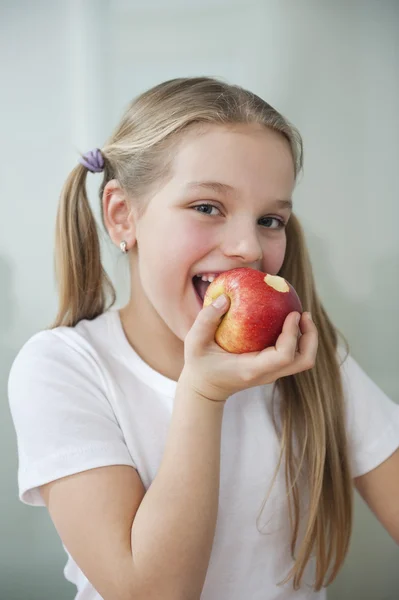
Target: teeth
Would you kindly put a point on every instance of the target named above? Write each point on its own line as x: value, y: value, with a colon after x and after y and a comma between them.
x: 209, y: 278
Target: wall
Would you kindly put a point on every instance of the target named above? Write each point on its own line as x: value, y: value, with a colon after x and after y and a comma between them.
x: 69, y: 69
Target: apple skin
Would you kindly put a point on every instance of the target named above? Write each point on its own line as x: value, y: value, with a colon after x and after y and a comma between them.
x: 257, y: 309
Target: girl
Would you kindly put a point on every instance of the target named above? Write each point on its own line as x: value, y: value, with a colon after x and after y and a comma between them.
x: 170, y: 468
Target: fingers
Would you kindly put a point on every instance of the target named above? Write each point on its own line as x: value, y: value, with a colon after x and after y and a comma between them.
x: 287, y: 341
x: 203, y: 330
x: 295, y: 350
x: 308, y: 341
x: 306, y: 344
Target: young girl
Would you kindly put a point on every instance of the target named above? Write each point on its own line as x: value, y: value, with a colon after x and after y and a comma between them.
x: 171, y: 468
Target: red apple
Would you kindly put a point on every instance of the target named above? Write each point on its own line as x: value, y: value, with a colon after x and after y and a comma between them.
x: 259, y: 305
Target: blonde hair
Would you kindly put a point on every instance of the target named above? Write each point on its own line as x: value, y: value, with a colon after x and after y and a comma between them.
x: 138, y: 155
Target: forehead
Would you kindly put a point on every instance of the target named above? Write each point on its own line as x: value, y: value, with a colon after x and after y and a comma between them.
x: 243, y: 157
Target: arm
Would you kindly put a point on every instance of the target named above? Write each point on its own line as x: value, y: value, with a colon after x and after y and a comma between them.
x: 379, y: 488
x: 175, y: 524
x: 133, y: 545
x: 163, y: 549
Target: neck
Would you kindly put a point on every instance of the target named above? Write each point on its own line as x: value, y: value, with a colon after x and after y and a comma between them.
x: 145, y: 332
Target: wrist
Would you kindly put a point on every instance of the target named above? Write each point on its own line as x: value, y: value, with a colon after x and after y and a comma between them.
x: 186, y: 385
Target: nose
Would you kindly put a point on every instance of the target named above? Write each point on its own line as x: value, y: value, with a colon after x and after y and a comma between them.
x: 241, y: 240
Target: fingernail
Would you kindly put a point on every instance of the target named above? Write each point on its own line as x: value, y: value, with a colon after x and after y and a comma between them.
x: 310, y: 316
x: 297, y: 319
x: 220, y: 301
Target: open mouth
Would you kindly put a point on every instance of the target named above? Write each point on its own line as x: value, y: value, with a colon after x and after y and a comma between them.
x: 201, y: 282
x: 200, y: 287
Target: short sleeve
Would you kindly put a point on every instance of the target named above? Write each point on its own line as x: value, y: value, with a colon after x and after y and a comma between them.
x: 63, y: 420
x: 372, y: 419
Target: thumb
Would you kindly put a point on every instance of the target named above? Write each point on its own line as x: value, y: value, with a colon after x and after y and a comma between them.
x: 207, y: 321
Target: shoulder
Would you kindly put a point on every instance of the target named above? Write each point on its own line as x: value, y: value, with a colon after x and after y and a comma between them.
x: 79, y: 344
x: 372, y: 417
x: 62, y: 408
x: 61, y: 357
x: 359, y: 387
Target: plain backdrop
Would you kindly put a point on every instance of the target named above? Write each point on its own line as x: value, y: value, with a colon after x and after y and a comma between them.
x: 68, y: 70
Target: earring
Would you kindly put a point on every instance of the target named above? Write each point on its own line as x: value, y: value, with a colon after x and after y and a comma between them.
x: 123, y: 246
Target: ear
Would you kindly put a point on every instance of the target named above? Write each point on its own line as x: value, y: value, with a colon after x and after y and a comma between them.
x: 119, y: 215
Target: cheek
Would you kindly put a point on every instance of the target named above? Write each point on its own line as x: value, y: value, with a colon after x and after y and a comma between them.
x: 274, y: 256
x: 187, y: 244
x: 196, y: 241
x: 169, y: 252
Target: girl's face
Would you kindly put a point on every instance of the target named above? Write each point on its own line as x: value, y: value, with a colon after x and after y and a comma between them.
x: 224, y: 206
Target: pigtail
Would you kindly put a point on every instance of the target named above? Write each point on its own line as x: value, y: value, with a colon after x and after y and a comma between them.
x: 313, y: 416
x: 82, y: 281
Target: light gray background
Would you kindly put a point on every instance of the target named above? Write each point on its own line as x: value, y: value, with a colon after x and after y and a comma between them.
x: 68, y: 69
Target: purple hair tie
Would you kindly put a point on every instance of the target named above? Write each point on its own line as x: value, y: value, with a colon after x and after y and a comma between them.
x: 93, y: 160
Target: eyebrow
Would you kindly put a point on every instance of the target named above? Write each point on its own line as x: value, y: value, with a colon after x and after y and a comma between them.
x: 224, y: 188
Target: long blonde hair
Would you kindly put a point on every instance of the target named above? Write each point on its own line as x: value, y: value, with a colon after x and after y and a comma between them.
x: 138, y: 155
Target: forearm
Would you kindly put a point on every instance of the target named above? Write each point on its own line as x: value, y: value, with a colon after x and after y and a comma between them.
x: 174, y: 527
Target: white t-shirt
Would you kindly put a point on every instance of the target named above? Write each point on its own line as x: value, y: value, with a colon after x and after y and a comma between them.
x: 82, y: 398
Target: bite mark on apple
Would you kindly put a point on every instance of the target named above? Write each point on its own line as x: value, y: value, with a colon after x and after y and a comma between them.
x: 276, y: 282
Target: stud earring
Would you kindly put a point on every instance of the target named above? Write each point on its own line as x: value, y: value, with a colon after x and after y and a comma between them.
x: 123, y: 246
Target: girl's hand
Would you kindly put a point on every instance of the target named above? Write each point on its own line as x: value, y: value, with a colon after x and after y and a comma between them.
x: 216, y: 374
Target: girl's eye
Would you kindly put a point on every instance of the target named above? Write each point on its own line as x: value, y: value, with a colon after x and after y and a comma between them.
x: 280, y: 222
x: 206, y: 208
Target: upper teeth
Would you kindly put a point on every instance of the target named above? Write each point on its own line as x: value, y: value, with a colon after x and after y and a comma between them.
x: 208, y: 277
